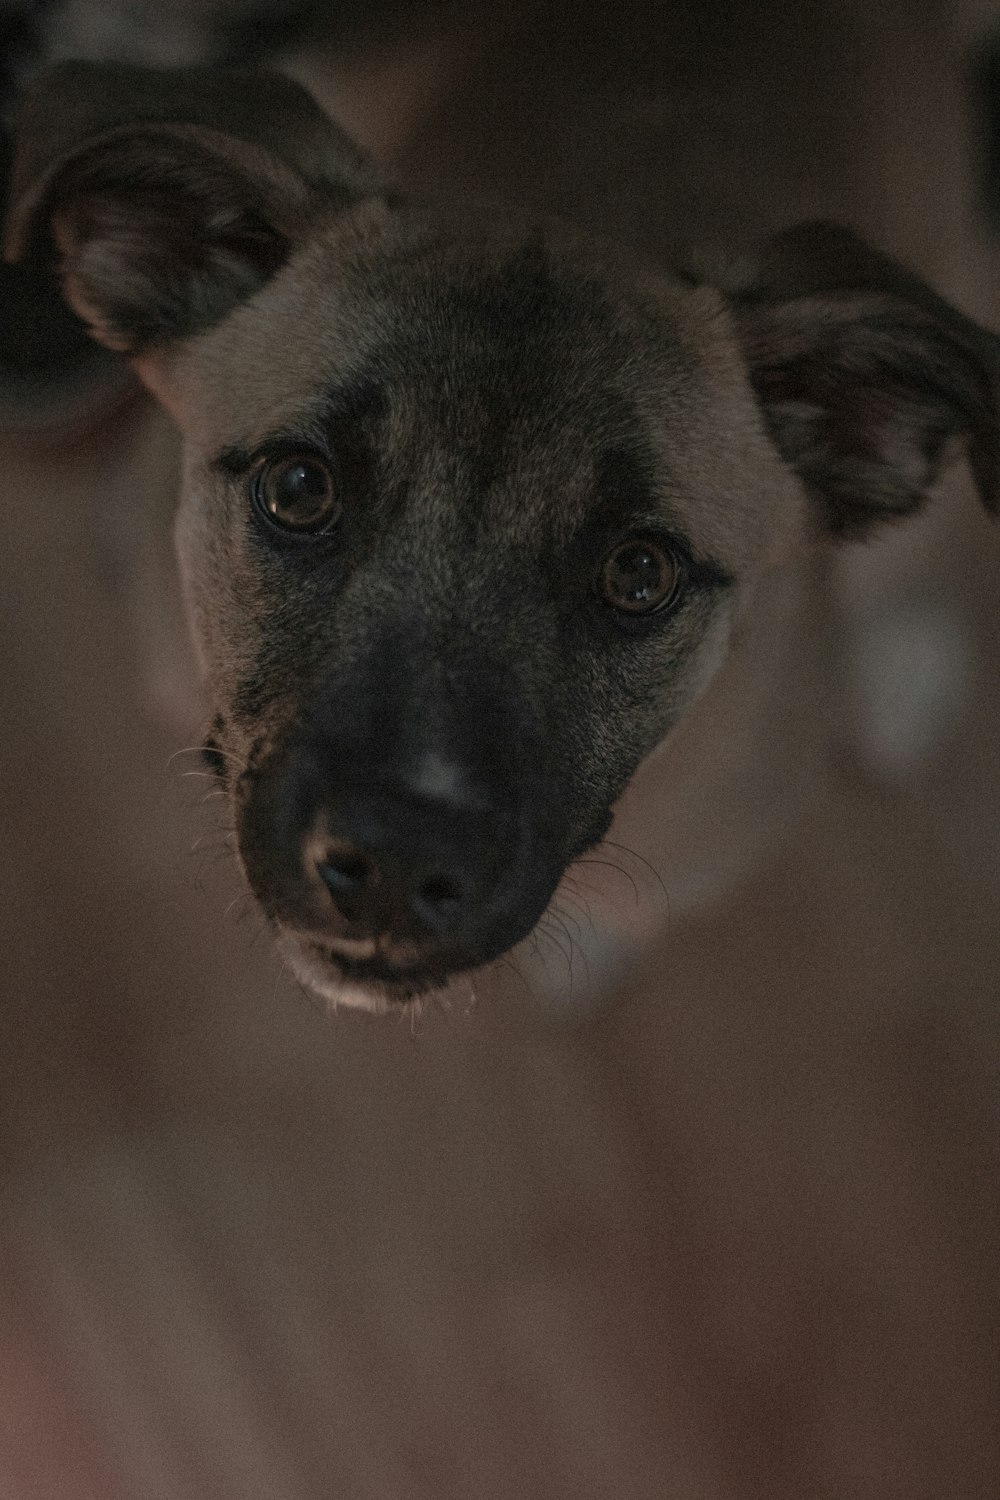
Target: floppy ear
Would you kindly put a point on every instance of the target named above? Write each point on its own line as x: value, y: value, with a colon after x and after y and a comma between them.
x: 168, y: 196
x: 863, y: 375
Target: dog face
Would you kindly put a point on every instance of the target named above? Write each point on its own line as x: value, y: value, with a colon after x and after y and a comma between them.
x: 468, y: 584
x: 470, y: 505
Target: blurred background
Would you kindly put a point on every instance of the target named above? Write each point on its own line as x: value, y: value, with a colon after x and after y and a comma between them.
x: 719, y: 1220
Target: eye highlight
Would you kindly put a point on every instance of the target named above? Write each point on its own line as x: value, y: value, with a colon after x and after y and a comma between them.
x: 295, y: 493
x: 639, y: 577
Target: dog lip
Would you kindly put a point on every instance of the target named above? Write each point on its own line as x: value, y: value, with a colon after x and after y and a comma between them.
x: 348, y: 949
x: 321, y: 975
x: 396, y: 981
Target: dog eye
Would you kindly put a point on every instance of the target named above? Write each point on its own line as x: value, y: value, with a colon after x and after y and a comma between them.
x: 296, y: 493
x: 639, y: 577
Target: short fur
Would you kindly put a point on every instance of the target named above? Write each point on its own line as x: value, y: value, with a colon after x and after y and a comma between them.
x: 433, y: 701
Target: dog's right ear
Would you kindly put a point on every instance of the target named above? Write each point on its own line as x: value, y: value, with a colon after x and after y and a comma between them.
x: 168, y: 196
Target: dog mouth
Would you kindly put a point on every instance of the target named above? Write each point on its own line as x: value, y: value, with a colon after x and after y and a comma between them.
x: 375, y: 981
x: 396, y: 981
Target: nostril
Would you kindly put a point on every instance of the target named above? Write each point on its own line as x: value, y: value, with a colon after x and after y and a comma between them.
x: 439, y: 897
x: 344, y: 874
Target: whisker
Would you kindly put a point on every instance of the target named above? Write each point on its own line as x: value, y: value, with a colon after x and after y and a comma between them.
x: 508, y: 963
x: 582, y: 905
x: 610, y: 865
x: 219, y: 855
x: 243, y: 896
x: 577, y: 948
x: 208, y: 750
x: 574, y: 886
x: 564, y: 916
x: 214, y: 840
x: 611, y: 844
x: 545, y: 931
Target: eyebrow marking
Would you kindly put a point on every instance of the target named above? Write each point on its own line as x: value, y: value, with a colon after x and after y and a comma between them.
x: 357, y: 401
x: 236, y: 460
x: 626, y: 478
x: 232, y: 461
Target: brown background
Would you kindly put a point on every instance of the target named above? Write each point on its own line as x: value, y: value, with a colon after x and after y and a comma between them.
x: 730, y: 1230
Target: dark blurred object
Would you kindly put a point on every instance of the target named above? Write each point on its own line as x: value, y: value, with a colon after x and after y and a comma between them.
x: 985, y: 79
x: 21, y: 29
x: 187, y: 31
x: 50, y: 373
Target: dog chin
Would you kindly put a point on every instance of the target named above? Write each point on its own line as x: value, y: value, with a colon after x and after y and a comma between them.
x: 341, y: 978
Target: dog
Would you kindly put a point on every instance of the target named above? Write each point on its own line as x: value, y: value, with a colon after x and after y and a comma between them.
x: 473, y: 504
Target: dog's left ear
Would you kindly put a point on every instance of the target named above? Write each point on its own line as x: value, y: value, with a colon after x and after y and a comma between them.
x: 863, y: 375
x: 167, y: 197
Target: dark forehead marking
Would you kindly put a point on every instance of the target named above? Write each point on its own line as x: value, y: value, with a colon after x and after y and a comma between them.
x: 625, y: 474
x: 359, y: 399
x: 533, y: 310
x: 496, y: 362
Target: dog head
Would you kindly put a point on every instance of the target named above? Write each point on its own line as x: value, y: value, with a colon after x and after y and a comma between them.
x: 471, y: 504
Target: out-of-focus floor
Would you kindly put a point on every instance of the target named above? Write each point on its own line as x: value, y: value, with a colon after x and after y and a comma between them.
x: 734, y: 1232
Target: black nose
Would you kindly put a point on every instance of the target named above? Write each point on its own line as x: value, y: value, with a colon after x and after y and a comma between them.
x: 381, y: 893
x: 415, y: 867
